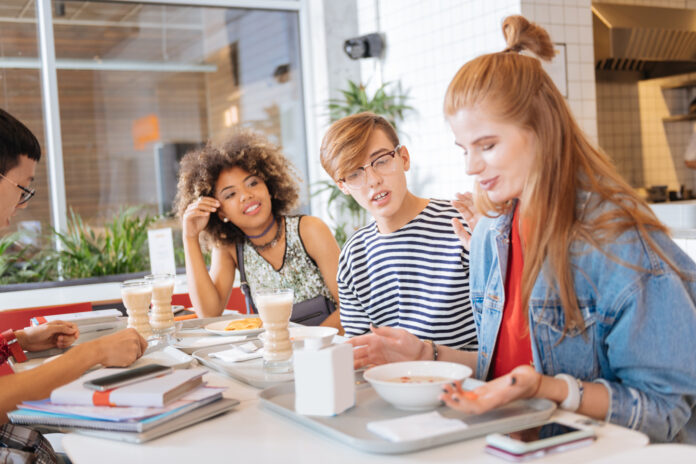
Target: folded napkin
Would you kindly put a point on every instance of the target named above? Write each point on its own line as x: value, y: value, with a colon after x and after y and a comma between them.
x: 415, y: 427
x: 239, y: 353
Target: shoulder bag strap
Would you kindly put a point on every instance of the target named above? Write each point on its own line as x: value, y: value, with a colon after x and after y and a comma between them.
x: 251, y: 309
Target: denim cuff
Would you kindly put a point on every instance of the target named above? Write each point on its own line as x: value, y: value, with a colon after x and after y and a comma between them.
x: 625, y: 405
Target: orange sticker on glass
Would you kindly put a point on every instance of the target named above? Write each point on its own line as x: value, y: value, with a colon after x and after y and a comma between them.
x: 145, y: 130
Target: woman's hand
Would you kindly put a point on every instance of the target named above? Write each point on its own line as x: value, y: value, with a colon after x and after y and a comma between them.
x: 120, y: 349
x: 464, y: 203
x: 385, y: 345
x: 55, y: 334
x: 197, y: 215
x: 522, y: 382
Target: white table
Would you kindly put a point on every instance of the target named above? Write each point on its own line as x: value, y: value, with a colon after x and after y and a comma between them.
x: 253, y: 434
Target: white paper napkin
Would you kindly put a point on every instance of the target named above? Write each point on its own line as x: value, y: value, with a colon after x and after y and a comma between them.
x: 414, y: 427
x: 239, y: 353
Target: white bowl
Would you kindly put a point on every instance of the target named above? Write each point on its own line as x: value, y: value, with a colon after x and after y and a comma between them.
x: 417, y: 396
x: 321, y: 336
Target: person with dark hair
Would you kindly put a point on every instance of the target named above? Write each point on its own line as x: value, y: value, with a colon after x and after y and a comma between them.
x: 239, y: 196
x: 579, y: 294
x: 19, y: 153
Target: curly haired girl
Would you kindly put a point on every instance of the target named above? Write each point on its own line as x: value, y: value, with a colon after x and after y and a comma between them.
x: 241, y: 193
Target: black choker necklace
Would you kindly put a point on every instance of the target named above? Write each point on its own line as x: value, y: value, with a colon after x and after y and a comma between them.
x: 273, y: 242
x: 264, y: 232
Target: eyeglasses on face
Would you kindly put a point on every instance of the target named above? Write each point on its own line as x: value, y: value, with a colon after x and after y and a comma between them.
x: 383, y: 164
x: 26, y: 193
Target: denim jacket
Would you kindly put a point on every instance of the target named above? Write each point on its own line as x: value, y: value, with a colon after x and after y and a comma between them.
x: 640, y: 327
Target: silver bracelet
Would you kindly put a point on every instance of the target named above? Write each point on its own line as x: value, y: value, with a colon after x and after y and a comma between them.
x: 435, y: 351
x: 575, y: 392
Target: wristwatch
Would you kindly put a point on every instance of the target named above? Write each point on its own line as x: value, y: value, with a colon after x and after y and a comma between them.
x: 15, y: 347
x: 435, y: 352
x: 575, y: 392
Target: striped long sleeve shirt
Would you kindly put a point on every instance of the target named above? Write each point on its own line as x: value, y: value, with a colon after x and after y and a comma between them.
x: 416, y: 278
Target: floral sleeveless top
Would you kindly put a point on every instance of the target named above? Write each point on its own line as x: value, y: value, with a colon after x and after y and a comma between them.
x: 298, y: 270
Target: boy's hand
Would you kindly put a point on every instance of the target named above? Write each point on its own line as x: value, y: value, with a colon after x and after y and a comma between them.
x: 55, y: 334
x: 385, y: 345
x: 460, y: 231
x: 464, y: 203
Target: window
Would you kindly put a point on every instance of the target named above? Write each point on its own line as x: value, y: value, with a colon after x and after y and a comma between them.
x: 141, y: 83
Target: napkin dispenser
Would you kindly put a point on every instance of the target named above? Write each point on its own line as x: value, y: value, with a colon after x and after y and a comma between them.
x: 324, y: 378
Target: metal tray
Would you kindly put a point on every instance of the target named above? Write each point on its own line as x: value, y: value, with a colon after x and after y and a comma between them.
x: 350, y: 427
x: 250, y: 372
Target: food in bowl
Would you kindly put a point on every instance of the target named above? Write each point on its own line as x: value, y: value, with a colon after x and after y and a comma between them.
x: 244, y: 324
x: 419, y: 395
x: 419, y: 379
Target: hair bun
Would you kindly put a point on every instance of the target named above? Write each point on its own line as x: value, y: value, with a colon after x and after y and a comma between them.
x: 520, y: 34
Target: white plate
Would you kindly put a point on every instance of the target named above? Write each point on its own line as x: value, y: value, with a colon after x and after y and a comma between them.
x: 168, y: 356
x: 218, y: 328
x: 190, y: 343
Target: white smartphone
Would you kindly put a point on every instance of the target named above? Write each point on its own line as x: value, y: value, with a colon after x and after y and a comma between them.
x: 537, y: 441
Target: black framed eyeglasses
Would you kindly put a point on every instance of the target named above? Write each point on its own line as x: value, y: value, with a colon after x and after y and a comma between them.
x: 26, y: 193
x: 383, y: 164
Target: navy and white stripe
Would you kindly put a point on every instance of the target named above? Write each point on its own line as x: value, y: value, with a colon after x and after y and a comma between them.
x: 416, y: 278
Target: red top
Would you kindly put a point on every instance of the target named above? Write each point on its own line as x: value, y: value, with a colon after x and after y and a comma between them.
x: 11, y: 344
x: 4, y: 350
x: 514, y: 346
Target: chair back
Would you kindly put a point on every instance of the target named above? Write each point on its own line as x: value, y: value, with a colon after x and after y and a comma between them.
x: 19, y: 318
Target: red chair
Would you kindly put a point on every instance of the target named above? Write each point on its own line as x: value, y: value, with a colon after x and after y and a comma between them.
x: 182, y: 299
x: 236, y: 300
x: 20, y: 318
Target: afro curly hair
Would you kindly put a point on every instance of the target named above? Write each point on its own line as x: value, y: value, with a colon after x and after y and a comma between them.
x: 250, y: 151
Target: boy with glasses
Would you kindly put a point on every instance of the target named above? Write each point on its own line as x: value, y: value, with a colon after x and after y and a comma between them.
x: 19, y: 153
x: 408, y: 268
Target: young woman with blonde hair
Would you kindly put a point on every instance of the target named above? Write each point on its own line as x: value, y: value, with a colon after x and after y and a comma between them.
x: 579, y: 294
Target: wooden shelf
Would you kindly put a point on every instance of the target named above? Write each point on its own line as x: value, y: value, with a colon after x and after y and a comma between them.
x: 680, y: 117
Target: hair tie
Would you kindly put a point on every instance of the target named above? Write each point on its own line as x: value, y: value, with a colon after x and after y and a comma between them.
x: 513, y: 49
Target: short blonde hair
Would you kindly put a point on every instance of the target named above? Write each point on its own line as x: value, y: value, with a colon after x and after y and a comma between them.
x: 347, y: 138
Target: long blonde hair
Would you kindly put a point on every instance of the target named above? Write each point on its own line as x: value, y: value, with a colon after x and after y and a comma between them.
x: 514, y: 87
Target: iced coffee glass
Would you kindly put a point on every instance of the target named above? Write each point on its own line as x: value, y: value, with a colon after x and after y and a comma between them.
x: 136, y: 295
x: 275, y: 308
x: 161, y: 315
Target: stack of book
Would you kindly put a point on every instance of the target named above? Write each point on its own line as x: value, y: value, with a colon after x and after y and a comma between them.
x: 87, y: 321
x: 92, y: 324
x: 133, y: 413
